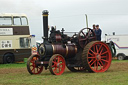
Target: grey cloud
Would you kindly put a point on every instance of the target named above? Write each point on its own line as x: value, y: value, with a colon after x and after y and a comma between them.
x: 112, y: 15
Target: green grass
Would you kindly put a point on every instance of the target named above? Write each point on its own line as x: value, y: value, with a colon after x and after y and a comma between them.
x: 17, y: 65
x: 68, y: 78
x: 114, y: 76
x: 119, y: 61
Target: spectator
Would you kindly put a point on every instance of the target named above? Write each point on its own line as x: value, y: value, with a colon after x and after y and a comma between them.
x: 98, y: 33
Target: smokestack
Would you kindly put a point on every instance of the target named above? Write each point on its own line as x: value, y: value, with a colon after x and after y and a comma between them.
x: 45, y: 24
x: 113, y: 33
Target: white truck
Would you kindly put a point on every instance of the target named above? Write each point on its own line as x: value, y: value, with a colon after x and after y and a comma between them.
x: 121, y: 45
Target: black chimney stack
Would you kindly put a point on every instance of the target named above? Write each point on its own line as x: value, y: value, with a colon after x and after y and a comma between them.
x: 45, y: 25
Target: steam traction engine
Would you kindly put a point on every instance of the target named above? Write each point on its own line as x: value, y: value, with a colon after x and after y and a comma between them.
x: 79, y: 52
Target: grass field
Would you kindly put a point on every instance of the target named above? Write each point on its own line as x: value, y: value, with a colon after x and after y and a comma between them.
x: 17, y: 74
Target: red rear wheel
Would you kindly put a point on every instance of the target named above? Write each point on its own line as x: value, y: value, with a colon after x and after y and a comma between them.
x: 57, y: 64
x: 32, y: 67
x: 97, y: 56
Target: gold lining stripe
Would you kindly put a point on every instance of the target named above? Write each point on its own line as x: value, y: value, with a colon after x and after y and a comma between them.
x: 42, y: 46
x: 53, y: 49
x: 75, y: 49
x: 45, y: 15
x: 66, y: 50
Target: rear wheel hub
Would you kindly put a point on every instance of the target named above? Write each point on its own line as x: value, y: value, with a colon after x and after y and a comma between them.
x: 98, y: 57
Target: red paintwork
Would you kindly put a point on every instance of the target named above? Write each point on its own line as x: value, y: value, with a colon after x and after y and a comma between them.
x: 99, y: 57
x: 35, y: 69
x: 58, y: 66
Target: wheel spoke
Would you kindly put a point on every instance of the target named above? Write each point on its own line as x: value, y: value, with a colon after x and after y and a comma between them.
x: 31, y: 61
x: 101, y: 63
x: 100, y: 66
x: 93, y: 62
x: 92, y: 51
x: 53, y: 65
x: 88, y: 33
x: 104, y: 52
x: 83, y: 39
x: 104, y: 56
x: 54, y: 62
x: 90, y: 61
x: 33, y: 64
x: 32, y: 68
x: 83, y: 33
x: 104, y: 60
x: 100, y: 47
x: 97, y: 49
x: 58, y: 60
x: 101, y: 51
x: 91, y: 38
x: 91, y: 57
x: 90, y: 54
x: 85, y: 42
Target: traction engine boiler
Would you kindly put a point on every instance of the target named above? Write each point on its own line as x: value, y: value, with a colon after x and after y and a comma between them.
x: 79, y: 52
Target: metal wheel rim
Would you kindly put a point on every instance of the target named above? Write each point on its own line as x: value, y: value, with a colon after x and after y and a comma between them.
x: 32, y: 67
x: 57, y: 65
x: 9, y: 59
x: 99, y: 59
x: 120, y: 57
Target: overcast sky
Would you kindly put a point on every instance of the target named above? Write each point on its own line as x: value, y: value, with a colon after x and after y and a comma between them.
x: 111, y: 15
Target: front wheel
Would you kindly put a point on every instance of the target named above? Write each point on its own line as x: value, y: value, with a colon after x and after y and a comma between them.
x: 31, y: 65
x: 57, y: 64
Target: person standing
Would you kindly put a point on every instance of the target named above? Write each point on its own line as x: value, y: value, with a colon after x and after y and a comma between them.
x: 94, y: 27
x: 98, y: 33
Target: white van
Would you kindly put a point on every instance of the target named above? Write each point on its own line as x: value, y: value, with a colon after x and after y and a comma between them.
x: 121, y: 45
